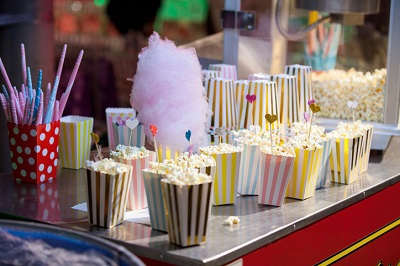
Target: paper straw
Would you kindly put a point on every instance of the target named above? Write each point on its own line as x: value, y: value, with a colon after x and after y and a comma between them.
x: 23, y: 63
x: 22, y: 101
x: 5, y: 92
x: 49, y: 109
x: 32, y: 107
x: 71, y: 80
x: 40, y: 111
x: 61, y: 63
x: 4, y: 104
x: 56, y: 110
x: 5, y: 76
x: 13, y: 110
x: 25, y: 117
x: 37, y: 102
x: 47, y: 98
x: 30, y: 89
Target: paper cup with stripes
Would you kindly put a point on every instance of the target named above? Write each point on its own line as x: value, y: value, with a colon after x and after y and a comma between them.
x: 367, y: 140
x: 137, y: 194
x: 241, y: 90
x: 345, y: 159
x: 259, y: 76
x: 249, y: 170
x: 107, y: 197
x: 267, y: 102
x: 288, y: 101
x: 75, y: 141
x: 187, y: 210
x: 324, y: 171
x: 122, y: 134
x: 155, y: 200
x: 306, y: 168
x: 275, y: 173
x: 305, y: 84
x: 210, y: 74
x: 167, y: 153
x: 113, y: 115
x: 227, y: 71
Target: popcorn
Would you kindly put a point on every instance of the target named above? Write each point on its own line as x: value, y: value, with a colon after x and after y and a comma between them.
x: 232, y: 220
x: 129, y: 152
x: 284, y: 150
x: 302, y: 141
x: 106, y: 166
x: 349, y: 130
x: 221, y: 148
x: 195, y: 160
x: 303, y: 128
x: 334, y: 88
x: 188, y: 176
x: 166, y: 167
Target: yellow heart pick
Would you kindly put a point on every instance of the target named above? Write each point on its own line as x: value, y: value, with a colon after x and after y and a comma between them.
x: 271, y: 118
x: 94, y: 137
x: 315, y: 108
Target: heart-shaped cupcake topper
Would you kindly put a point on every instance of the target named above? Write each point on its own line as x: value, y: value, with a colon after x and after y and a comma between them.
x: 310, y: 102
x: 188, y: 135
x: 120, y: 123
x: 314, y: 109
x: 131, y: 124
x: 306, y: 116
x: 352, y: 105
x: 220, y: 131
x: 154, y: 131
x: 96, y: 140
x: 251, y: 98
x: 271, y: 118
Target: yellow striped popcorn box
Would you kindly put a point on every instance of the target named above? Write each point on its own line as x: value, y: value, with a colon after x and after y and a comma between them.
x: 306, y: 168
x: 75, y: 141
x: 107, y: 196
x: 222, y: 103
x: 227, y: 71
x: 241, y: 90
x: 325, y: 169
x: 122, y: 134
x: 137, y: 194
x: 113, y: 115
x: 259, y: 76
x: 267, y: 102
x: 249, y: 170
x: 167, y: 153
x: 288, y: 101
x: 187, y: 211
x: 155, y: 200
x: 305, y: 84
x: 209, y: 74
x: 367, y: 140
x: 345, y: 159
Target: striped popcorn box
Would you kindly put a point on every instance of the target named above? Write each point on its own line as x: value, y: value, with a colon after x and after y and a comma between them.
x: 210, y: 74
x: 367, y: 140
x: 249, y: 170
x: 345, y: 159
x: 241, y: 90
x: 75, y: 141
x: 227, y: 71
x: 166, y: 153
x: 122, y: 134
x: 259, y: 76
x: 137, y: 193
x: 222, y: 103
x: 114, y: 115
x: 107, y: 197
x: 305, y: 85
x: 288, y: 101
x: 187, y: 210
x: 155, y: 201
x: 324, y: 171
x: 267, y: 101
x: 275, y: 173
x: 303, y: 181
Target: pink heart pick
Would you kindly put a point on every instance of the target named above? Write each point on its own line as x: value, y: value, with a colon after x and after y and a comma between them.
x: 251, y: 97
x: 311, y: 101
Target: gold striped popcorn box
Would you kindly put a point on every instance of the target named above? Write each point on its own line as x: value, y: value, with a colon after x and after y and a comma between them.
x: 305, y: 84
x: 222, y: 103
x: 275, y: 173
x: 137, y: 194
x: 227, y: 71
x: 187, y: 210
x: 367, y: 140
x: 288, y: 101
x: 345, y: 159
x: 241, y: 90
x: 249, y: 170
x: 113, y: 115
x: 325, y: 169
x: 259, y: 76
x: 75, y: 141
x: 155, y: 200
x: 226, y: 178
x: 107, y: 196
x: 123, y: 132
x: 267, y: 102
x: 303, y: 181
x: 209, y: 74
x: 167, y: 153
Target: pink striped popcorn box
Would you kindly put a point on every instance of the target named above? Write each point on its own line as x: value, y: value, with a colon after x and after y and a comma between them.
x: 227, y: 71
x: 276, y: 172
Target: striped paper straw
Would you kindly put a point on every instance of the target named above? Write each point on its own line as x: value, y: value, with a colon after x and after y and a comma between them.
x: 75, y: 141
x: 307, y: 164
x: 122, y: 134
x: 305, y: 85
x: 276, y: 172
x: 323, y: 173
x: 227, y: 71
x: 155, y: 201
x: 345, y: 159
x: 187, y: 209
x: 249, y: 170
x: 107, y: 196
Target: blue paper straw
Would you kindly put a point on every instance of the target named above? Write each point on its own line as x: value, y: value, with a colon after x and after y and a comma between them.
x: 5, y: 93
x: 29, y: 84
x: 49, y: 110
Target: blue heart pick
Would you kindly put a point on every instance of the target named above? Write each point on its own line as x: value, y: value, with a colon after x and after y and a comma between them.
x: 188, y: 134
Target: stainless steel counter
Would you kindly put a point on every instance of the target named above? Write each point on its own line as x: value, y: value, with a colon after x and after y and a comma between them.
x: 259, y: 225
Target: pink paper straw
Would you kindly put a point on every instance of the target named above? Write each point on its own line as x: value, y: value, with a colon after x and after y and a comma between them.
x: 5, y: 107
x: 56, y: 111
x: 27, y: 107
x: 17, y: 107
x: 22, y: 100
x: 13, y: 110
x: 7, y: 80
x: 32, y: 107
x: 40, y: 111
x: 46, y: 99
x: 71, y: 80
x: 61, y: 63
x: 23, y: 63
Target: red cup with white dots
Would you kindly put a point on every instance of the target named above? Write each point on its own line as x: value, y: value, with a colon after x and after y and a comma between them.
x: 34, y: 151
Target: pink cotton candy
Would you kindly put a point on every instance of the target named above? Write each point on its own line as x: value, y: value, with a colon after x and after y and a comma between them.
x: 168, y: 92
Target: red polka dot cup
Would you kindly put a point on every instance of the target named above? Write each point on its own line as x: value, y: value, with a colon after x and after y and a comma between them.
x: 34, y: 151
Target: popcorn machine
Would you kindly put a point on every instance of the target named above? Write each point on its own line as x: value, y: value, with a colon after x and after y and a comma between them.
x: 258, y: 40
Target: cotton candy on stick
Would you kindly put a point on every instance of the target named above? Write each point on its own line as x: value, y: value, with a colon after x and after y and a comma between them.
x: 168, y: 92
